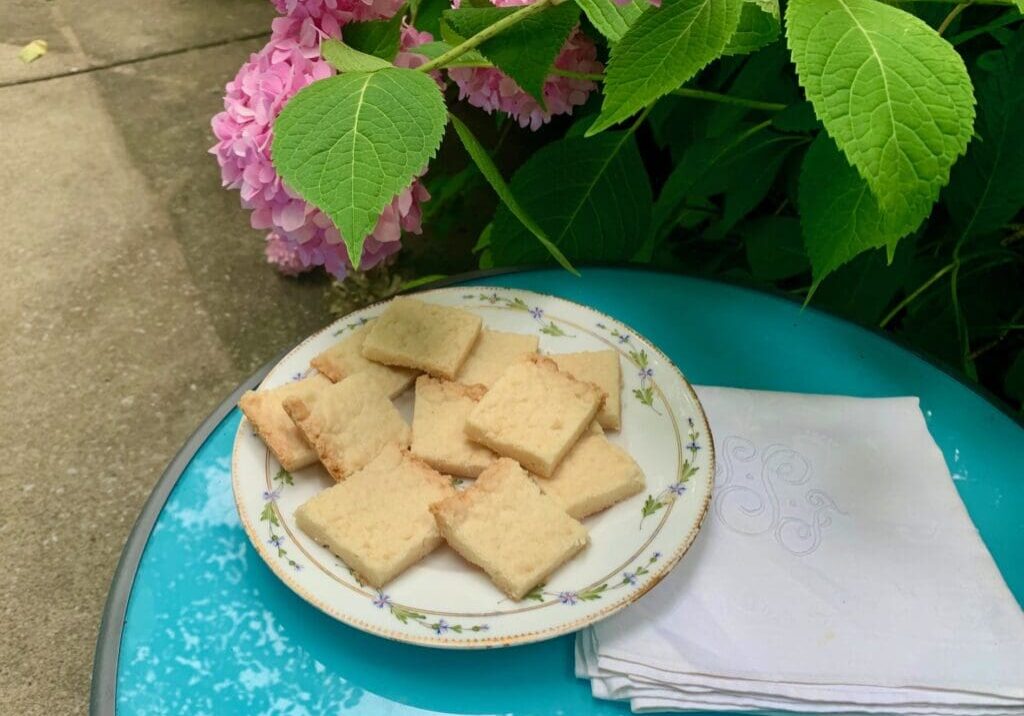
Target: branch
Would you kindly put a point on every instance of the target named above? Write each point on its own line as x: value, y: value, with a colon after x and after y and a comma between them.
x: 728, y: 99
x: 486, y: 34
x: 592, y: 76
x: 912, y: 296
x: 953, y: 14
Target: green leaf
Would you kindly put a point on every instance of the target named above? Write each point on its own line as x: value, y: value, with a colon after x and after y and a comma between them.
x: 551, y: 329
x: 379, y: 38
x: 864, y: 288
x: 841, y: 217
x: 651, y: 506
x: 662, y: 50
x: 484, y: 240
x: 611, y: 19
x: 422, y: 281
x: 268, y: 514
x: 752, y: 175
x: 775, y: 248
x: 759, y: 26
x: 1001, y: 21
x: 591, y: 196
x: 433, y: 50
x: 797, y: 117
x: 766, y: 76
x: 701, y: 158
x: 484, y: 162
x: 526, y: 51
x: 986, y: 188
x: 349, y: 144
x: 345, y: 59
x: 426, y: 15
x: 893, y: 94
x: 536, y: 594
x: 746, y: 177
x: 687, y: 471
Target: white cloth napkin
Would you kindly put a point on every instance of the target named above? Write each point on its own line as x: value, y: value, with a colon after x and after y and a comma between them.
x: 837, y: 571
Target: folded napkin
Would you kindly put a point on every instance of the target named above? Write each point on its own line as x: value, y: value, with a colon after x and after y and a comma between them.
x: 837, y: 571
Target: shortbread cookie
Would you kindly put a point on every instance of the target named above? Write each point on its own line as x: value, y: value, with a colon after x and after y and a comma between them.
x: 438, y: 427
x: 493, y: 353
x: 534, y: 413
x: 603, y: 370
x: 424, y: 336
x: 345, y: 358
x: 593, y: 476
x: 265, y: 411
x: 378, y: 520
x: 349, y: 424
x: 506, y: 526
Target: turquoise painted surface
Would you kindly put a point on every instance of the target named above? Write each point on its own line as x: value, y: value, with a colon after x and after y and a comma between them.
x: 210, y: 630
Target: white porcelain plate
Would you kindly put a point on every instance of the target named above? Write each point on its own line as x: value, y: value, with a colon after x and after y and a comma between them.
x: 444, y: 601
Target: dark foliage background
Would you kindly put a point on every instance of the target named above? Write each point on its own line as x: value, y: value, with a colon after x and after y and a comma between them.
x: 953, y: 290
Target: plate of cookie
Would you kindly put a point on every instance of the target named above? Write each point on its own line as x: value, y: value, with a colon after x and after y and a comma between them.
x: 472, y: 467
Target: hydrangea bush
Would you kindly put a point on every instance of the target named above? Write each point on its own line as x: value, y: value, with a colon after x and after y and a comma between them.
x: 301, y: 236
x: 863, y: 154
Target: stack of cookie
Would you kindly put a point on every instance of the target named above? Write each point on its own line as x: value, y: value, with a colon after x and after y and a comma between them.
x: 529, y: 429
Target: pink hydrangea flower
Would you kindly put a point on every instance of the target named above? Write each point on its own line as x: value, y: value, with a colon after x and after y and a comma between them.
x: 303, y: 19
x: 301, y: 236
x: 491, y: 89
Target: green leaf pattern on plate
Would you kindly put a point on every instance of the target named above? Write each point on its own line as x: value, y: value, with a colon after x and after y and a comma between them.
x: 677, y: 489
x: 269, y: 516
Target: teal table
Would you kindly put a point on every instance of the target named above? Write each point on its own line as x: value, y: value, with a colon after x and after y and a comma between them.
x: 197, y: 624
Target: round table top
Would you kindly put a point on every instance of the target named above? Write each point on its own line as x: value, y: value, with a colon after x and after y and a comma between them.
x: 197, y: 624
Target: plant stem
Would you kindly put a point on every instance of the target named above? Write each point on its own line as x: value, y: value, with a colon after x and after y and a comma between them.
x: 952, y: 16
x: 486, y: 34
x: 962, y: 335
x: 640, y: 119
x: 683, y: 92
x: 714, y: 160
x: 1004, y: 331
x: 592, y: 76
x: 1006, y: 18
x: 728, y: 99
x: 913, y: 296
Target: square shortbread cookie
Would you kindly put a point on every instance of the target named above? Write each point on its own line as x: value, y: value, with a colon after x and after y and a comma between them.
x: 345, y: 358
x: 349, y: 424
x: 493, y: 353
x: 264, y: 409
x: 425, y: 336
x: 603, y: 370
x: 506, y: 526
x: 534, y: 413
x: 378, y: 520
x: 438, y: 427
x: 593, y: 476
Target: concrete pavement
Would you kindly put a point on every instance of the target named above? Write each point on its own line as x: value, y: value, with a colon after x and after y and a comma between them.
x: 135, y: 297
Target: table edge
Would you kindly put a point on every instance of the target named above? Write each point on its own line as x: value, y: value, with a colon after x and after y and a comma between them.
x: 102, y: 698
x: 103, y: 692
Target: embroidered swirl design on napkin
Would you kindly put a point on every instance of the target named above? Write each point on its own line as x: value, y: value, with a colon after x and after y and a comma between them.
x: 771, y: 495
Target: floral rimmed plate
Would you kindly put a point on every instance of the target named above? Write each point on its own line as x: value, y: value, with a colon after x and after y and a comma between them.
x: 445, y: 602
